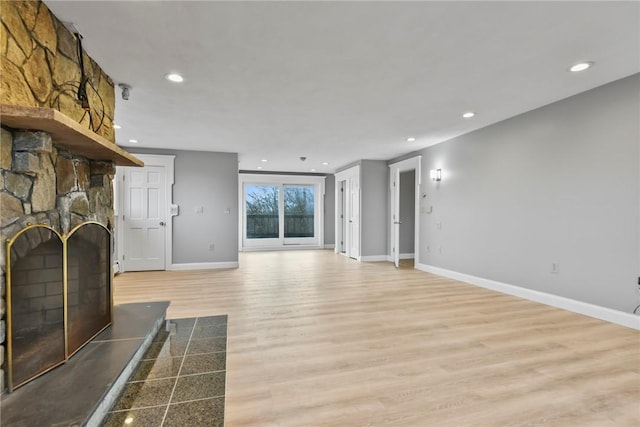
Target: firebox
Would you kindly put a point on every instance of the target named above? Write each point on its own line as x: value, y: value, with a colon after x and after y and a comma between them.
x: 58, y: 296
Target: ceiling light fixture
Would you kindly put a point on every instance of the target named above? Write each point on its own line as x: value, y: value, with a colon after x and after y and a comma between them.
x: 325, y: 163
x: 313, y: 170
x: 264, y: 160
x: 259, y: 167
x: 580, y: 67
x: 133, y: 141
x: 115, y: 126
x: 174, y: 77
x: 468, y: 114
x: 411, y: 139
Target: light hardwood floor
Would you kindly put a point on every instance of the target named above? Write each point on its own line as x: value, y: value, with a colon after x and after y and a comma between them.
x: 316, y: 339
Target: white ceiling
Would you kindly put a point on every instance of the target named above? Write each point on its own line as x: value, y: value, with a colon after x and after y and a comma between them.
x: 342, y: 81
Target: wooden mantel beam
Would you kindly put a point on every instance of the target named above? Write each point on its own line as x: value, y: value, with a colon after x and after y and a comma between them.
x: 66, y: 133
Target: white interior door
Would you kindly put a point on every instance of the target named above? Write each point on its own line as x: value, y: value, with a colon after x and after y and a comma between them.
x: 144, y: 218
x: 354, y: 217
x: 395, y: 216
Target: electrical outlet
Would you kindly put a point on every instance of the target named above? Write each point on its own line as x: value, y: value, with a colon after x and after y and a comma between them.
x: 428, y: 249
x: 555, y: 268
x: 212, y: 247
x: 439, y: 249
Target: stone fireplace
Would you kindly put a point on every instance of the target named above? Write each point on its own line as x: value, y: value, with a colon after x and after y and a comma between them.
x: 43, y: 203
x: 58, y: 296
x: 57, y: 162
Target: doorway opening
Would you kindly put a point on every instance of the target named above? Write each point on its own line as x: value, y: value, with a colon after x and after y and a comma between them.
x: 407, y: 214
x: 405, y: 180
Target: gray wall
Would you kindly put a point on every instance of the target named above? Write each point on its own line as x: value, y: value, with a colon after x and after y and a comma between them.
x: 209, y: 180
x: 407, y: 211
x: 374, y: 207
x: 330, y: 210
x: 555, y: 185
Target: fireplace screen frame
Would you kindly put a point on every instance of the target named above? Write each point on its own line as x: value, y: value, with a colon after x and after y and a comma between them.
x: 68, y: 352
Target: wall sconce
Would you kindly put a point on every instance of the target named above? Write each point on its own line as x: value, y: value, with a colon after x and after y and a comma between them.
x: 436, y: 174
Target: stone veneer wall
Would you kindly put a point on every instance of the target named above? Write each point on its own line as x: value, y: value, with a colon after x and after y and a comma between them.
x: 40, y: 67
x: 40, y: 184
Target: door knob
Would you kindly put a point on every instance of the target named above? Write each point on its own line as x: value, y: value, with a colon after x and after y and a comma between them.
x: 162, y: 223
x: 397, y: 222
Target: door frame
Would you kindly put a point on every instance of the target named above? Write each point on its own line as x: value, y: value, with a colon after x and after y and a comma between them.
x: 347, y: 176
x: 413, y: 163
x: 167, y: 162
x: 340, y: 216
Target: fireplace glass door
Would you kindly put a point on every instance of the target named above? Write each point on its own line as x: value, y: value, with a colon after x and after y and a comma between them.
x: 36, y: 296
x: 88, y: 284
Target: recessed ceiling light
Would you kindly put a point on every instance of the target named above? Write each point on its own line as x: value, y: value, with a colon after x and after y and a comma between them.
x: 264, y: 160
x: 580, y: 67
x: 174, y: 77
x: 313, y: 170
x: 325, y: 163
x: 411, y: 139
x: 259, y: 167
x: 133, y: 141
x: 115, y: 126
x: 468, y: 114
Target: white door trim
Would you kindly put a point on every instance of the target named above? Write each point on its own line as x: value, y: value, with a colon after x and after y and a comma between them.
x: 394, y: 177
x: 347, y: 175
x: 150, y: 160
x: 413, y: 163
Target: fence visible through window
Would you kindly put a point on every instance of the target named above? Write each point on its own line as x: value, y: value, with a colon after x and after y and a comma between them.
x: 266, y: 226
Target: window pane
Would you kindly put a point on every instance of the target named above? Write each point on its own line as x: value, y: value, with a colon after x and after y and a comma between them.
x: 299, y: 211
x: 262, y: 211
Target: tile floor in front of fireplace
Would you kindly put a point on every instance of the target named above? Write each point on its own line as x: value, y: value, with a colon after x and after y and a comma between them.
x: 180, y: 380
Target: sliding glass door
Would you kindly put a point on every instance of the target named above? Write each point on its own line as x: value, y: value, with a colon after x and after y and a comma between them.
x: 299, y: 215
x: 276, y: 215
x: 262, y: 213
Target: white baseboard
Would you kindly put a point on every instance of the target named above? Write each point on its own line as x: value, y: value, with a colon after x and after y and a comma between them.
x: 203, y: 265
x: 329, y: 246
x: 281, y: 248
x: 373, y: 258
x: 407, y: 256
x: 603, y: 313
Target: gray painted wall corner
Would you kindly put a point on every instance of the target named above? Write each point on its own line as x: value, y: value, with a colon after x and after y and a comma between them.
x: 330, y: 210
x: 559, y: 184
x: 374, y: 207
x: 209, y: 181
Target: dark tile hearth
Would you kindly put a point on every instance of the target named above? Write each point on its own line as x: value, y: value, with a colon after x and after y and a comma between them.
x: 81, y: 391
x: 180, y: 381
